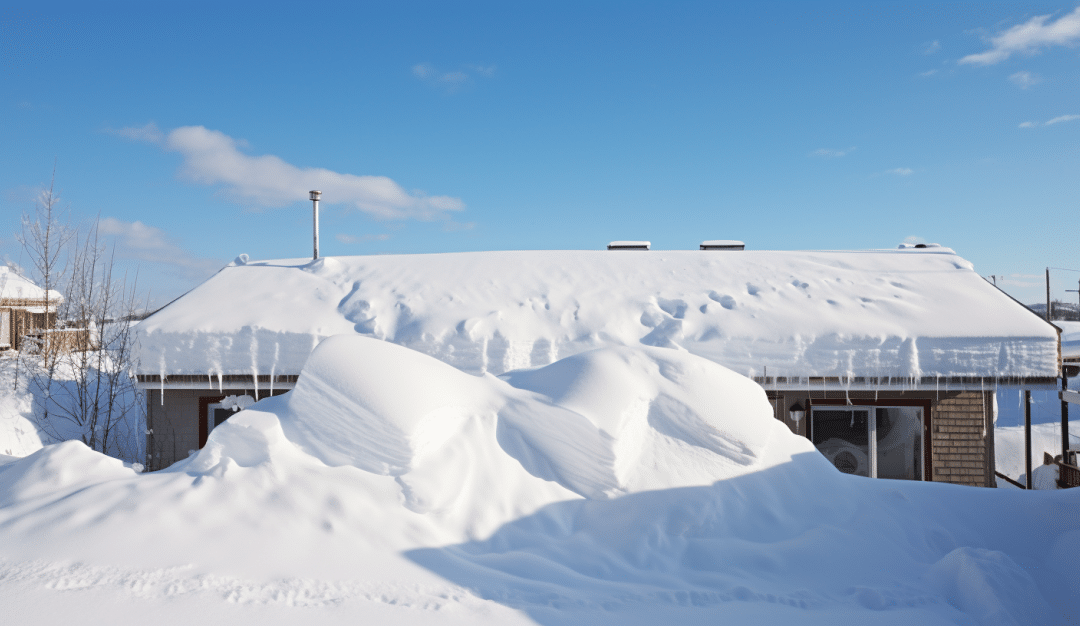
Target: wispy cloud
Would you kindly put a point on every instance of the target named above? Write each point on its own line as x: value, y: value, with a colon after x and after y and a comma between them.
x: 900, y: 171
x: 149, y: 133
x: 928, y: 73
x: 1034, y: 34
x: 454, y: 79
x: 1062, y: 118
x: 831, y: 153
x: 1024, y: 80
x: 1057, y: 120
x: 344, y: 238
x: 214, y: 158
x: 930, y: 47
x: 140, y: 242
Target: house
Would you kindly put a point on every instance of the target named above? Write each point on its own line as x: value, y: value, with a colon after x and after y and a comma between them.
x: 887, y: 360
x: 25, y: 309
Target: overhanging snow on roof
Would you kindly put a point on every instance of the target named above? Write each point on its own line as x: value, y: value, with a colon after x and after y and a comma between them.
x: 911, y: 314
x: 16, y: 288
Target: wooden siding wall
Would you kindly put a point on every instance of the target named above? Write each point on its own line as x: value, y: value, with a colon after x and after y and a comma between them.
x: 963, y: 440
x: 24, y: 322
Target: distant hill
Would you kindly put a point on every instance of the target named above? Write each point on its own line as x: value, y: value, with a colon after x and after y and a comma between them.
x: 1062, y: 310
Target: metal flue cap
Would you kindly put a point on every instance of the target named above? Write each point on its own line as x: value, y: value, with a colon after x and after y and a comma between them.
x: 315, y: 194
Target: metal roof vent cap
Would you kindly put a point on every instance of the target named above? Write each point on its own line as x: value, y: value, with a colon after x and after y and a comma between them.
x: 723, y: 244
x: 629, y: 245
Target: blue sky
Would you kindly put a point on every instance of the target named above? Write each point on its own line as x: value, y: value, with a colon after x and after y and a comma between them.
x: 195, y: 130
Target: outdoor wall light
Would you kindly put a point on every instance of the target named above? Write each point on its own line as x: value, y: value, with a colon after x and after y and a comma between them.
x: 797, y: 412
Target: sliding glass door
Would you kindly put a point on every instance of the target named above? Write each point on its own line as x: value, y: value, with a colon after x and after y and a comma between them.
x: 872, y: 441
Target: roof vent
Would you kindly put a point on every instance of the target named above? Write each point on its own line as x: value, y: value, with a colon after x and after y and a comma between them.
x: 629, y: 245
x: 723, y: 244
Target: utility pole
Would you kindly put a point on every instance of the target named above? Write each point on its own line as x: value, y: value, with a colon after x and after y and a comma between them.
x: 1077, y: 291
x: 1048, y: 294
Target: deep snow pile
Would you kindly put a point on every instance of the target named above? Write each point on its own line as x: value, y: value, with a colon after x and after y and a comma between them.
x: 26, y: 389
x: 905, y: 313
x: 1045, y: 439
x: 19, y: 435
x: 616, y: 486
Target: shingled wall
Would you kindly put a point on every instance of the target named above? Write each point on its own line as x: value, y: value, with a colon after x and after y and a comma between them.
x: 963, y: 442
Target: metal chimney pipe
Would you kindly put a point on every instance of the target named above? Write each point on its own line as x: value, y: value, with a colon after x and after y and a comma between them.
x: 315, y: 217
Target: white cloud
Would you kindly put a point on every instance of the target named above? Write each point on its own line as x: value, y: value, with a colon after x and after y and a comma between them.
x: 901, y: 171
x: 140, y: 242
x: 451, y: 80
x: 1028, y: 37
x: 344, y: 238
x: 928, y: 73
x: 1057, y: 120
x: 832, y: 153
x: 1024, y: 80
x: 213, y: 158
x: 931, y: 47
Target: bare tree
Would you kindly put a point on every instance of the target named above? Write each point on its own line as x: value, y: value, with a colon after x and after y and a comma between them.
x: 45, y: 237
x: 80, y: 370
x: 98, y: 400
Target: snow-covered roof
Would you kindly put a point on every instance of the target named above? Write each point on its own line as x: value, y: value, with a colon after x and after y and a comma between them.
x: 1070, y: 340
x: 901, y: 313
x: 15, y: 287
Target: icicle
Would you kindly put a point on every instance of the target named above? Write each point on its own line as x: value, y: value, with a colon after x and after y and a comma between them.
x: 161, y: 379
x: 219, y: 382
x: 255, y: 379
x: 982, y: 394
x: 273, y: 365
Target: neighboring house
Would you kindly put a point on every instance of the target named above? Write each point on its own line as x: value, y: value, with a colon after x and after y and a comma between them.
x: 893, y: 354
x: 25, y: 309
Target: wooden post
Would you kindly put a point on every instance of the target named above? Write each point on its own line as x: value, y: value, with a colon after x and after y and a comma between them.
x: 1064, y: 417
x: 1027, y: 436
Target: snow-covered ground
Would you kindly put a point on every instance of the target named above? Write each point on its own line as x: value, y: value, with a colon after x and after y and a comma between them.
x: 615, y: 486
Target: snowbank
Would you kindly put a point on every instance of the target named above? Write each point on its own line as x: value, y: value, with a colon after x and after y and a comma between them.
x: 18, y: 434
x: 906, y: 313
x: 617, y: 486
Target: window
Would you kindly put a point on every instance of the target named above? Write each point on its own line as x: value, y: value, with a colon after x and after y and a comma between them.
x: 873, y: 441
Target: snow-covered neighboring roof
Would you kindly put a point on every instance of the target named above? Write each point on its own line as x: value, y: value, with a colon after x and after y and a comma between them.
x: 902, y: 313
x: 1070, y: 339
x: 15, y: 287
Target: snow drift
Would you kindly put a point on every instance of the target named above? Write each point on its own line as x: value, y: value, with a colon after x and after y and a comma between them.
x: 617, y: 485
